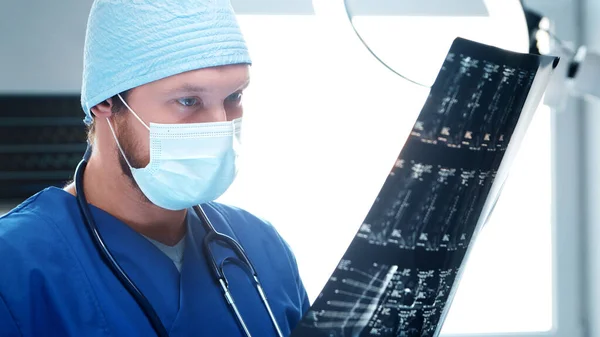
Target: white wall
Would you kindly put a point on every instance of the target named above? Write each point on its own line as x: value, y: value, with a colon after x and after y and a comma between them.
x: 590, y: 31
x: 41, y: 45
x: 578, y: 21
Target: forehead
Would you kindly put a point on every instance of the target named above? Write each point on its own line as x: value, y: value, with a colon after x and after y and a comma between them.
x: 229, y: 77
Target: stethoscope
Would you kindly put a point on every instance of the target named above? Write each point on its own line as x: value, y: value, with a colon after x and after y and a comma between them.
x: 212, y: 236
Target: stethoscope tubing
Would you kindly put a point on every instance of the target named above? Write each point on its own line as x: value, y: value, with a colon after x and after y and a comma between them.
x: 108, y: 258
x: 211, y: 236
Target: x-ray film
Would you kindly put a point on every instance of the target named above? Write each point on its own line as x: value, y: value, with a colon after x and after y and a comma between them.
x: 400, y: 272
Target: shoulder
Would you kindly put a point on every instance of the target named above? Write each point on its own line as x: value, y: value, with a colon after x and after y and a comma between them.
x: 267, y: 249
x: 22, y: 224
x: 258, y: 236
x: 240, y: 219
x: 43, y: 278
x: 29, y: 246
x: 30, y: 221
x: 254, y: 233
x: 247, y: 227
x: 30, y: 236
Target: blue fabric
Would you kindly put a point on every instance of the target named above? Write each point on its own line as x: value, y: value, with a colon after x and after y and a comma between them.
x: 53, y: 282
x: 129, y: 43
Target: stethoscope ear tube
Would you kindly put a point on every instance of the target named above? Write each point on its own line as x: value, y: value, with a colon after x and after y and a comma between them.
x: 240, y: 260
x: 107, y: 257
x: 213, y: 236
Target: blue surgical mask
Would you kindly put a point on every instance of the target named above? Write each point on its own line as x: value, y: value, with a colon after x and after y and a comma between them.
x: 190, y: 164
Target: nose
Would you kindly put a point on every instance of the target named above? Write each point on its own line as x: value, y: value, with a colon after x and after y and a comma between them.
x: 217, y: 114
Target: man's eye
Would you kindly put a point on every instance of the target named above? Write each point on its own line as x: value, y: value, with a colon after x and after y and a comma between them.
x: 188, y: 101
x: 234, y: 98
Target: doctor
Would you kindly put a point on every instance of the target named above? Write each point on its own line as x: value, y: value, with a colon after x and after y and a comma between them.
x: 124, y: 250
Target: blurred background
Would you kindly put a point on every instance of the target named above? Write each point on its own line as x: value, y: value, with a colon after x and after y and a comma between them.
x: 364, y: 65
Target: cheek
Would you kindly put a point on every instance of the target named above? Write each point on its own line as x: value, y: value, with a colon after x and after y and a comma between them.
x: 141, y: 146
x: 135, y: 140
x: 158, y: 112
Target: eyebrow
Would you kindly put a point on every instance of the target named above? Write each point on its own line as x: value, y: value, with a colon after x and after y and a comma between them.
x: 192, y: 88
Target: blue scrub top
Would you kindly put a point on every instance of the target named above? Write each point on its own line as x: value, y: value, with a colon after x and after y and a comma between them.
x: 54, y: 283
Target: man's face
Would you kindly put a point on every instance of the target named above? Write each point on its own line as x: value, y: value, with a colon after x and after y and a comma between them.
x: 204, y: 95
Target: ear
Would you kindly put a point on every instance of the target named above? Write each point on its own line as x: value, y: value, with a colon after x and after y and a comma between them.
x: 104, y: 109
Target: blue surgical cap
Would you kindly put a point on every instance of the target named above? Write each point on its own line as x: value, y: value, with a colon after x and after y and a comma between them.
x: 134, y: 42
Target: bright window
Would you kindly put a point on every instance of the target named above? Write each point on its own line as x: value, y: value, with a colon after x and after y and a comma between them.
x: 324, y: 122
x: 507, y: 285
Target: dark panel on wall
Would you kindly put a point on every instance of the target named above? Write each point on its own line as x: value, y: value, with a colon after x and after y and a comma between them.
x: 42, y: 138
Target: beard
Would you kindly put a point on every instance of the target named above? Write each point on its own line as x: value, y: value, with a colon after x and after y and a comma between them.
x: 131, y: 149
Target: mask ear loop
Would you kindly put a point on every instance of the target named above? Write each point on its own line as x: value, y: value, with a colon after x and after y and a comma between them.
x: 133, y: 112
x: 117, y: 141
x: 115, y: 135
